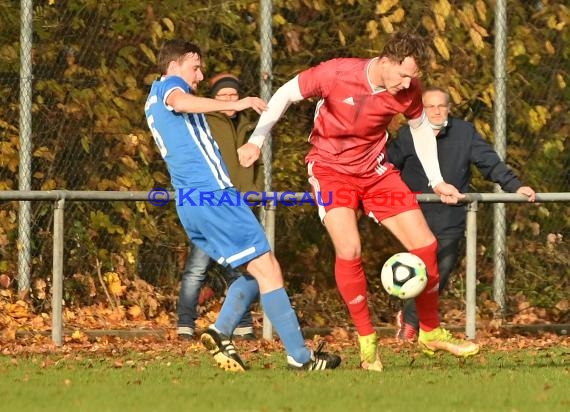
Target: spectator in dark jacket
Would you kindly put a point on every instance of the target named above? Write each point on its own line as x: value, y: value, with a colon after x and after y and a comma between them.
x: 459, y: 146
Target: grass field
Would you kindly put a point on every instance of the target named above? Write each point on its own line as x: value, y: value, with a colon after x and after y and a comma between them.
x: 170, y: 377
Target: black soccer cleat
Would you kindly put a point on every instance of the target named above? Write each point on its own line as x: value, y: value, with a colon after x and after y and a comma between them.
x: 222, y: 349
x: 319, y: 361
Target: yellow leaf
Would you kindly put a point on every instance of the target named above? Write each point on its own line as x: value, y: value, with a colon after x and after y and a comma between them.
x: 156, y: 29
x: 17, y: 310
x: 442, y: 8
x: 476, y: 39
x: 538, y: 116
x: 549, y: 48
x: 125, y: 181
x: 483, y: 127
x: 561, y: 82
x: 488, y: 96
x: 372, y: 29
x: 168, y: 23
x: 554, y: 24
x: 386, y: 25
x: 481, y: 30
x: 440, y: 22
x: 441, y: 47
x: 464, y: 19
x: 49, y: 184
x: 8, y: 334
x: 148, y: 53
x: 279, y: 20
x: 77, y: 336
x: 40, y: 288
x: 517, y: 48
x: 428, y: 23
x: 535, y: 59
x: 341, y: 38
x: 129, y: 162
x: 114, y: 283
x: 385, y: 5
x: 397, y: 16
x: 130, y: 258
x: 149, y: 78
x: 133, y: 95
x: 481, y: 9
x: 134, y: 312
x: 455, y: 96
x: 121, y: 104
x: 469, y: 14
x: 45, y: 153
x: 8, y: 53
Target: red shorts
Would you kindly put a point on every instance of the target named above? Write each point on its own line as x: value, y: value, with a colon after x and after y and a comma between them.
x: 379, y: 195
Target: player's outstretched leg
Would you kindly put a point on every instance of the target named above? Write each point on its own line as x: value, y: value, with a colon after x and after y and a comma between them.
x: 319, y: 361
x: 369, y: 358
x: 441, y: 339
x: 279, y: 311
x: 222, y: 349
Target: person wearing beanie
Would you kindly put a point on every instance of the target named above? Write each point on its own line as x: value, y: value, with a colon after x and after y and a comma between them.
x: 230, y: 130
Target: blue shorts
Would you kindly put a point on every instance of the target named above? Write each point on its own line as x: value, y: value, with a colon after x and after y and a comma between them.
x: 227, y: 230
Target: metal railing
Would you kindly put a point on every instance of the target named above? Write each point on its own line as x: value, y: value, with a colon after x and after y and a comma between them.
x: 60, y: 197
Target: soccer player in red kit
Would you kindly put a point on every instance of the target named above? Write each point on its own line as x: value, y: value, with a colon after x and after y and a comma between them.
x: 358, y: 100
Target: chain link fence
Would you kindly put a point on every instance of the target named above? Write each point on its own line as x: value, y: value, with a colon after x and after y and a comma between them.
x: 88, y: 65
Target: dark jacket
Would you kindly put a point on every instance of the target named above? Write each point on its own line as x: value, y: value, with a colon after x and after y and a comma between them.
x: 230, y: 136
x: 458, y: 145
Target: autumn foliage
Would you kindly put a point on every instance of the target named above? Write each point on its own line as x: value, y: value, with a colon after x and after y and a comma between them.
x: 93, y: 63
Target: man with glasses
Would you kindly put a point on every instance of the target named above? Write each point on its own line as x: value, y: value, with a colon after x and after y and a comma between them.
x: 458, y: 146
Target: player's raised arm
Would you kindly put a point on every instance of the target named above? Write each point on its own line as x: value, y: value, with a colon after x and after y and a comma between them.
x: 426, y: 149
x: 189, y: 103
x: 289, y: 93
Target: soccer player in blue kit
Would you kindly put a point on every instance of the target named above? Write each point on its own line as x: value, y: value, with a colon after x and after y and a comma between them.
x: 228, y: 232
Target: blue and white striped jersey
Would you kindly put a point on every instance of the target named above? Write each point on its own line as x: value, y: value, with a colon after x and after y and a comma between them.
x: 184, y: 140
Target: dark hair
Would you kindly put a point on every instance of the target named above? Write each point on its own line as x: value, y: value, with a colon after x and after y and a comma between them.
x: 406, y: 44
x: 174, y: 50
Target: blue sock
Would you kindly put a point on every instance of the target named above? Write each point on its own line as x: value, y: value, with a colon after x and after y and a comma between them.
x: 239, y: 297
x: 278, y: 308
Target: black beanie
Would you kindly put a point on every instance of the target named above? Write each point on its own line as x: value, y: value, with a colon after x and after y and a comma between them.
x: 222, y: 81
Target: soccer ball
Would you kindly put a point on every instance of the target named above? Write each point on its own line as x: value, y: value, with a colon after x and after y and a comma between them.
x: 404, y: 275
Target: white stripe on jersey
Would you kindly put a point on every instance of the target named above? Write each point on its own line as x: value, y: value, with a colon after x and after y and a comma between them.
x: 200, y: 133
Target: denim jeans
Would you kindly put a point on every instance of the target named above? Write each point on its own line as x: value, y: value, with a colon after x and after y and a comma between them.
x: 193, y: 277
x: 447, y: 254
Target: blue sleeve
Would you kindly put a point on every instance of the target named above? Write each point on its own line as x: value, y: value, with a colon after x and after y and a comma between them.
x: 168, y: 84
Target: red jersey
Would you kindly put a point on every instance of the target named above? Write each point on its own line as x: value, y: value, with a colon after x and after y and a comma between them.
x: 349, y: 132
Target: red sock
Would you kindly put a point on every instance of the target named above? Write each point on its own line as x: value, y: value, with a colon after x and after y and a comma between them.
x: 351, y: 284
x: 427, y: 303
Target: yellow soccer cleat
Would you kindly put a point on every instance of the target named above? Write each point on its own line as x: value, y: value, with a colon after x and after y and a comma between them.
x: 222, y: 349
x: 369, y: 358
x: 441, y: 339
